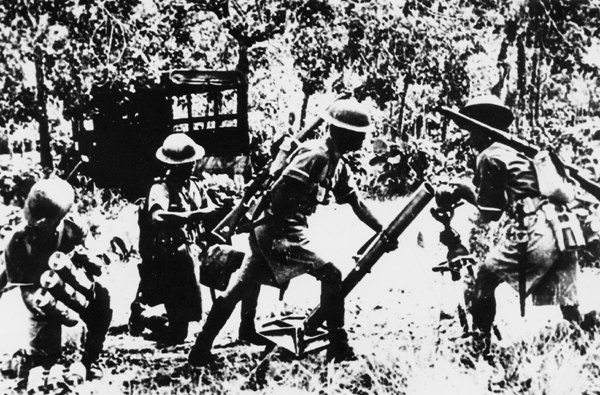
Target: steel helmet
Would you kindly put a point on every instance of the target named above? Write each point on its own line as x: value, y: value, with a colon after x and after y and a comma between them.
x: 48, y: 202
x: 179, y: 148
x: 349, y: 115
x: 490, y: 110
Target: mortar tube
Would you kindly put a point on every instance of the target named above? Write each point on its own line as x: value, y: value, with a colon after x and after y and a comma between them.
x: 420, y: 198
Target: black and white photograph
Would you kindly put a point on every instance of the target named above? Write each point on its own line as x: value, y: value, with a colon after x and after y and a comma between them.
x: 295, y: 197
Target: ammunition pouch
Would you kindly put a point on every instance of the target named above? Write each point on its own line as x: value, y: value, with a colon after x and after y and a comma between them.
x: 529, y: 206
x: 218, y: 264
x: 591, y: 227
x: 565, y: 226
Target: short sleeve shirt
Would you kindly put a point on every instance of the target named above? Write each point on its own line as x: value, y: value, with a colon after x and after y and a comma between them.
x: 314, y: 166
x: 323, y: 175
x: 189, y: 197
x: 192, y: 196
x: 503, y: 176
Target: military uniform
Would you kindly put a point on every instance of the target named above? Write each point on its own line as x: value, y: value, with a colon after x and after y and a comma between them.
x: 24, y: 260
x: 170, y: 266
x: 505, y: 178
x: 280, y: 247
x: 281, y: 241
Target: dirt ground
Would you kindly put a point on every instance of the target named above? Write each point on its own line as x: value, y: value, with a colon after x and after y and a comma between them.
x: 392, y: 315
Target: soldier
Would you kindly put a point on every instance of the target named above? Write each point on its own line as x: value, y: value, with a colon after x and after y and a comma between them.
x: 279, y: 245
x: 528, y: 253
x: 170, y: 243
x: 25, y: 261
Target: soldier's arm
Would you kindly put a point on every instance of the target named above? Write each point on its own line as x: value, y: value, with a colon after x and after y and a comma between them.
x: 161, y: 217
x: 463, y: 191
x: 364, y: 213
x: 207, y: 208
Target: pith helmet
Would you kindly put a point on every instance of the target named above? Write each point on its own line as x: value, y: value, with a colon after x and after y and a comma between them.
x: 48, y: 202
x: 349, y: 115
x: 490, y: 110
x: 179, y: 148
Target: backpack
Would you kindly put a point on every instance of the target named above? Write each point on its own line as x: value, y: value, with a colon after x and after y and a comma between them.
x: 553, y: 181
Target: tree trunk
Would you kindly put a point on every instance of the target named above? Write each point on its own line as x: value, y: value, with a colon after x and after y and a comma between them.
x: 533, y: 89
x: 521, y: 82
x: 538, y: 88
x: 503, y: 69
x: 400, y: 132
x: 42, y: 116
x: 242, y: 106
x: 303, y: 109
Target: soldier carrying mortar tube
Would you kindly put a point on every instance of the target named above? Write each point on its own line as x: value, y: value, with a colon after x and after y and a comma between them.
x: 533, y: 255
x: 278, y: 241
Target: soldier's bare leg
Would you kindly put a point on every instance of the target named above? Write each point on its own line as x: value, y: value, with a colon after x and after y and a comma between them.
x: 483, y: 309
x: 97, y: 317
x: 332, y: 301
x: 246, y: 285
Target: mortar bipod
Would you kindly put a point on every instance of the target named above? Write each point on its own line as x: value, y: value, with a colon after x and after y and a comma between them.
x: 296, y: 328
x: 458, y: 256
x: 288, y: 333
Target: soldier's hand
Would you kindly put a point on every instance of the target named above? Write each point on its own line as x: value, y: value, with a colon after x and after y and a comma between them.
x: 462, y: 190
x: 83, y: 258
x: 157, y: 217
x: 390, y: 244
x: 445, y: 197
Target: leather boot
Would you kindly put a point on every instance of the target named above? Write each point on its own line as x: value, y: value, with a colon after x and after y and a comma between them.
x: 339, y: 350
x: 200, y: 354
x: 135, y: 323
x: 247, y: 333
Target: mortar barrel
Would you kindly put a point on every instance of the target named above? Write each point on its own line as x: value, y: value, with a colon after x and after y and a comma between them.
x: 377, y: 248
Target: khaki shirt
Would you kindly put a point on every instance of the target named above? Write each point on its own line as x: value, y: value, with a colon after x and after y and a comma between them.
x: 503, y: 176
x: 190, y: 196
x: 316, y: 166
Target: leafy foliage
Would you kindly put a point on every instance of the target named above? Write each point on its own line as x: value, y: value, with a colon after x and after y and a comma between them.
x: 406, y: 58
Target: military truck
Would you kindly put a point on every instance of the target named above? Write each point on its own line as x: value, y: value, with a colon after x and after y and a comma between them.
x: 126, y: 129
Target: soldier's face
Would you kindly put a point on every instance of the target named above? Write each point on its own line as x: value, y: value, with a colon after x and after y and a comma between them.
x: 478, y: 141
x: 347, y: 140
x: 42, y: 232
x: 184, y: 171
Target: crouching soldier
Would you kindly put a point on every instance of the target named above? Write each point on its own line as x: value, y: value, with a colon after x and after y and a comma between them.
x: 530, y: 255
x: 279, y: 244
x: 47, y: 259
x: 170, y: 244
